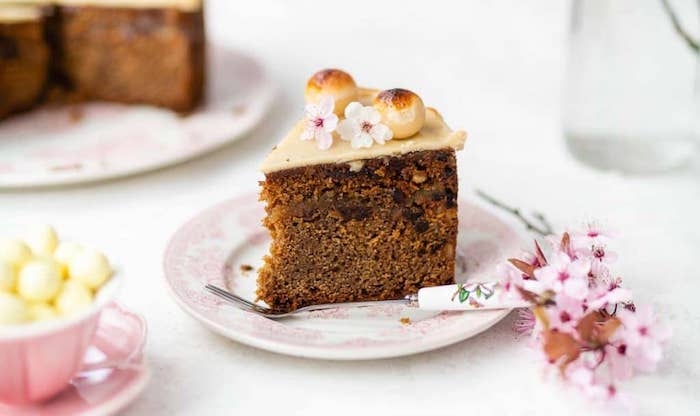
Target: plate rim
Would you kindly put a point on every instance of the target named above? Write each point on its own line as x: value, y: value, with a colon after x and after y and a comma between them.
x: 315, y: 352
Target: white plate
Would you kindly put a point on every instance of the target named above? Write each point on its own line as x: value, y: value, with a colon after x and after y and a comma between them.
x: 94, y: 141
x: 213, y: 247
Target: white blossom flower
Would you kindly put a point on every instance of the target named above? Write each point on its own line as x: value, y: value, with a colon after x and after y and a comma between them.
x: 320, y: 122
x: 362, y: 126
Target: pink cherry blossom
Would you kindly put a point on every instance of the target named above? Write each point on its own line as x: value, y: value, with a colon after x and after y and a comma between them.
x: 511, y: 279
x: 606, y: 297
x: 594, y: 233
x: 565, y: 276
x: 320, y: 122
x: 644, y: 337
x: 600, y: 272
x: 525, y: 323
x: 602, y: 254
x: 584, y: 377
x: 565, y: 316
x: 529, y: 258
x: 585, y: 326
x: 618, y: 360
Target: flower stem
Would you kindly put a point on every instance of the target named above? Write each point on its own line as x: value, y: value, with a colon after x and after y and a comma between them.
x: 692, y: 43
x: 543, y: 228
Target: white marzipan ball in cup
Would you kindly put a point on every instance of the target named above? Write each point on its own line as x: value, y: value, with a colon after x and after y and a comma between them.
x: 65, y: 251
x: 42, y: 239
x: 39, y: 280
x: 73, y: 298
x: 8, y: 277
x: 90, y: 267
x: 13, y: 310
x: 42, y: 312
x: 15, y: 252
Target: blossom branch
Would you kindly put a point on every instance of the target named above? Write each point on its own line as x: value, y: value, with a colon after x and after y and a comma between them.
x: 692, y: 43
x: 581, y: 318
x: 544, y: 228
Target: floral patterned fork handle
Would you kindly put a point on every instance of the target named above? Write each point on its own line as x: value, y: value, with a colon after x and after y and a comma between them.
x: 463, y: 297
x: 466, y: 296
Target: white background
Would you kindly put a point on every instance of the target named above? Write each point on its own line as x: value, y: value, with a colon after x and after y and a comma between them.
x: 493, y: 68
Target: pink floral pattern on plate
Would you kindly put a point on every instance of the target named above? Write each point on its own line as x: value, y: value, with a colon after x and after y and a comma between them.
x: 57, y: 145
x: 218, y: 243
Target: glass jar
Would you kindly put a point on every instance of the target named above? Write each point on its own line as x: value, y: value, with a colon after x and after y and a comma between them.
x: 632, y: 93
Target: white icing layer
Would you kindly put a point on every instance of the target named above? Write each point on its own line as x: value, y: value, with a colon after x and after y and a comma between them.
x: 185, y: 5
x: 292, y: 152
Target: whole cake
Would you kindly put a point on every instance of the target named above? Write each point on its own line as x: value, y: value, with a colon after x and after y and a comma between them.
x: 361, y: 206
x: 130, y: 51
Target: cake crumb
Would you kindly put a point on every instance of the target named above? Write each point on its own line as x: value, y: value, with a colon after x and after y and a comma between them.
x: 76, y: 114
x: 405, y: 320
x: 70, y: 167
x: 239, y: 109
x: 245, y: 268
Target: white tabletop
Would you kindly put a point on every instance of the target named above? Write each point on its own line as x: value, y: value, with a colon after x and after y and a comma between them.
x: 492, y: 68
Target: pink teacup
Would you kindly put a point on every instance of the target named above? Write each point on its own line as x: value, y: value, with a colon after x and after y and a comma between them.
x: 38, y: 360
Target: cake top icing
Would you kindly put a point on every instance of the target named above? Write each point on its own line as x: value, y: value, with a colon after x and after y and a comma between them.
x: 185, y: 5
x: 376, y: 124
x: 15, y: 13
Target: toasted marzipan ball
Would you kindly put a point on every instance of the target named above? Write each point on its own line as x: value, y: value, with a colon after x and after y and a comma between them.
x: 13, y: 310
x: 401, y: 110
x: 64, y: 253
x: 39, y: 280
x: 42, y: 312
x: 8, y: 277
x: 15, y: 252
x: 334, y: 82
x: 73, y: 298
x: 42, y: 239
x: 90, y: 267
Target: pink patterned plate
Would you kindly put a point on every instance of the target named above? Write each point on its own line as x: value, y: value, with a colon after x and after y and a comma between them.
x: 96, y: 141
x: 224, y: 245
x: 114, y: 371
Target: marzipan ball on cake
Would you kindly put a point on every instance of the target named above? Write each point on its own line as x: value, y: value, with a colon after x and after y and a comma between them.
x: 334, y: 82
x: 401, y: 110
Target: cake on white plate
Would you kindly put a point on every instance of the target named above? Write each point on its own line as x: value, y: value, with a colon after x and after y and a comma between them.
x: 130, y: 51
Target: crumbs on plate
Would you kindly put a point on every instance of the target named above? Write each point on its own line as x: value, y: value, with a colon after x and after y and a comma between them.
x: 405, y: 321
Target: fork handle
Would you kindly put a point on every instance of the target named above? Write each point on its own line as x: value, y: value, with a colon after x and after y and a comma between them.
x: 467, y: 296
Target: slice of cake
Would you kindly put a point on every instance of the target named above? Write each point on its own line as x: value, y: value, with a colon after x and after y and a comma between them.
x: 361, y: 206
x: 129, y: 51
x: 24, y: 56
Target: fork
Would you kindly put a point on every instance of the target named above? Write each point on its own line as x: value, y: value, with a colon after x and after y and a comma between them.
x: 457, y: 297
